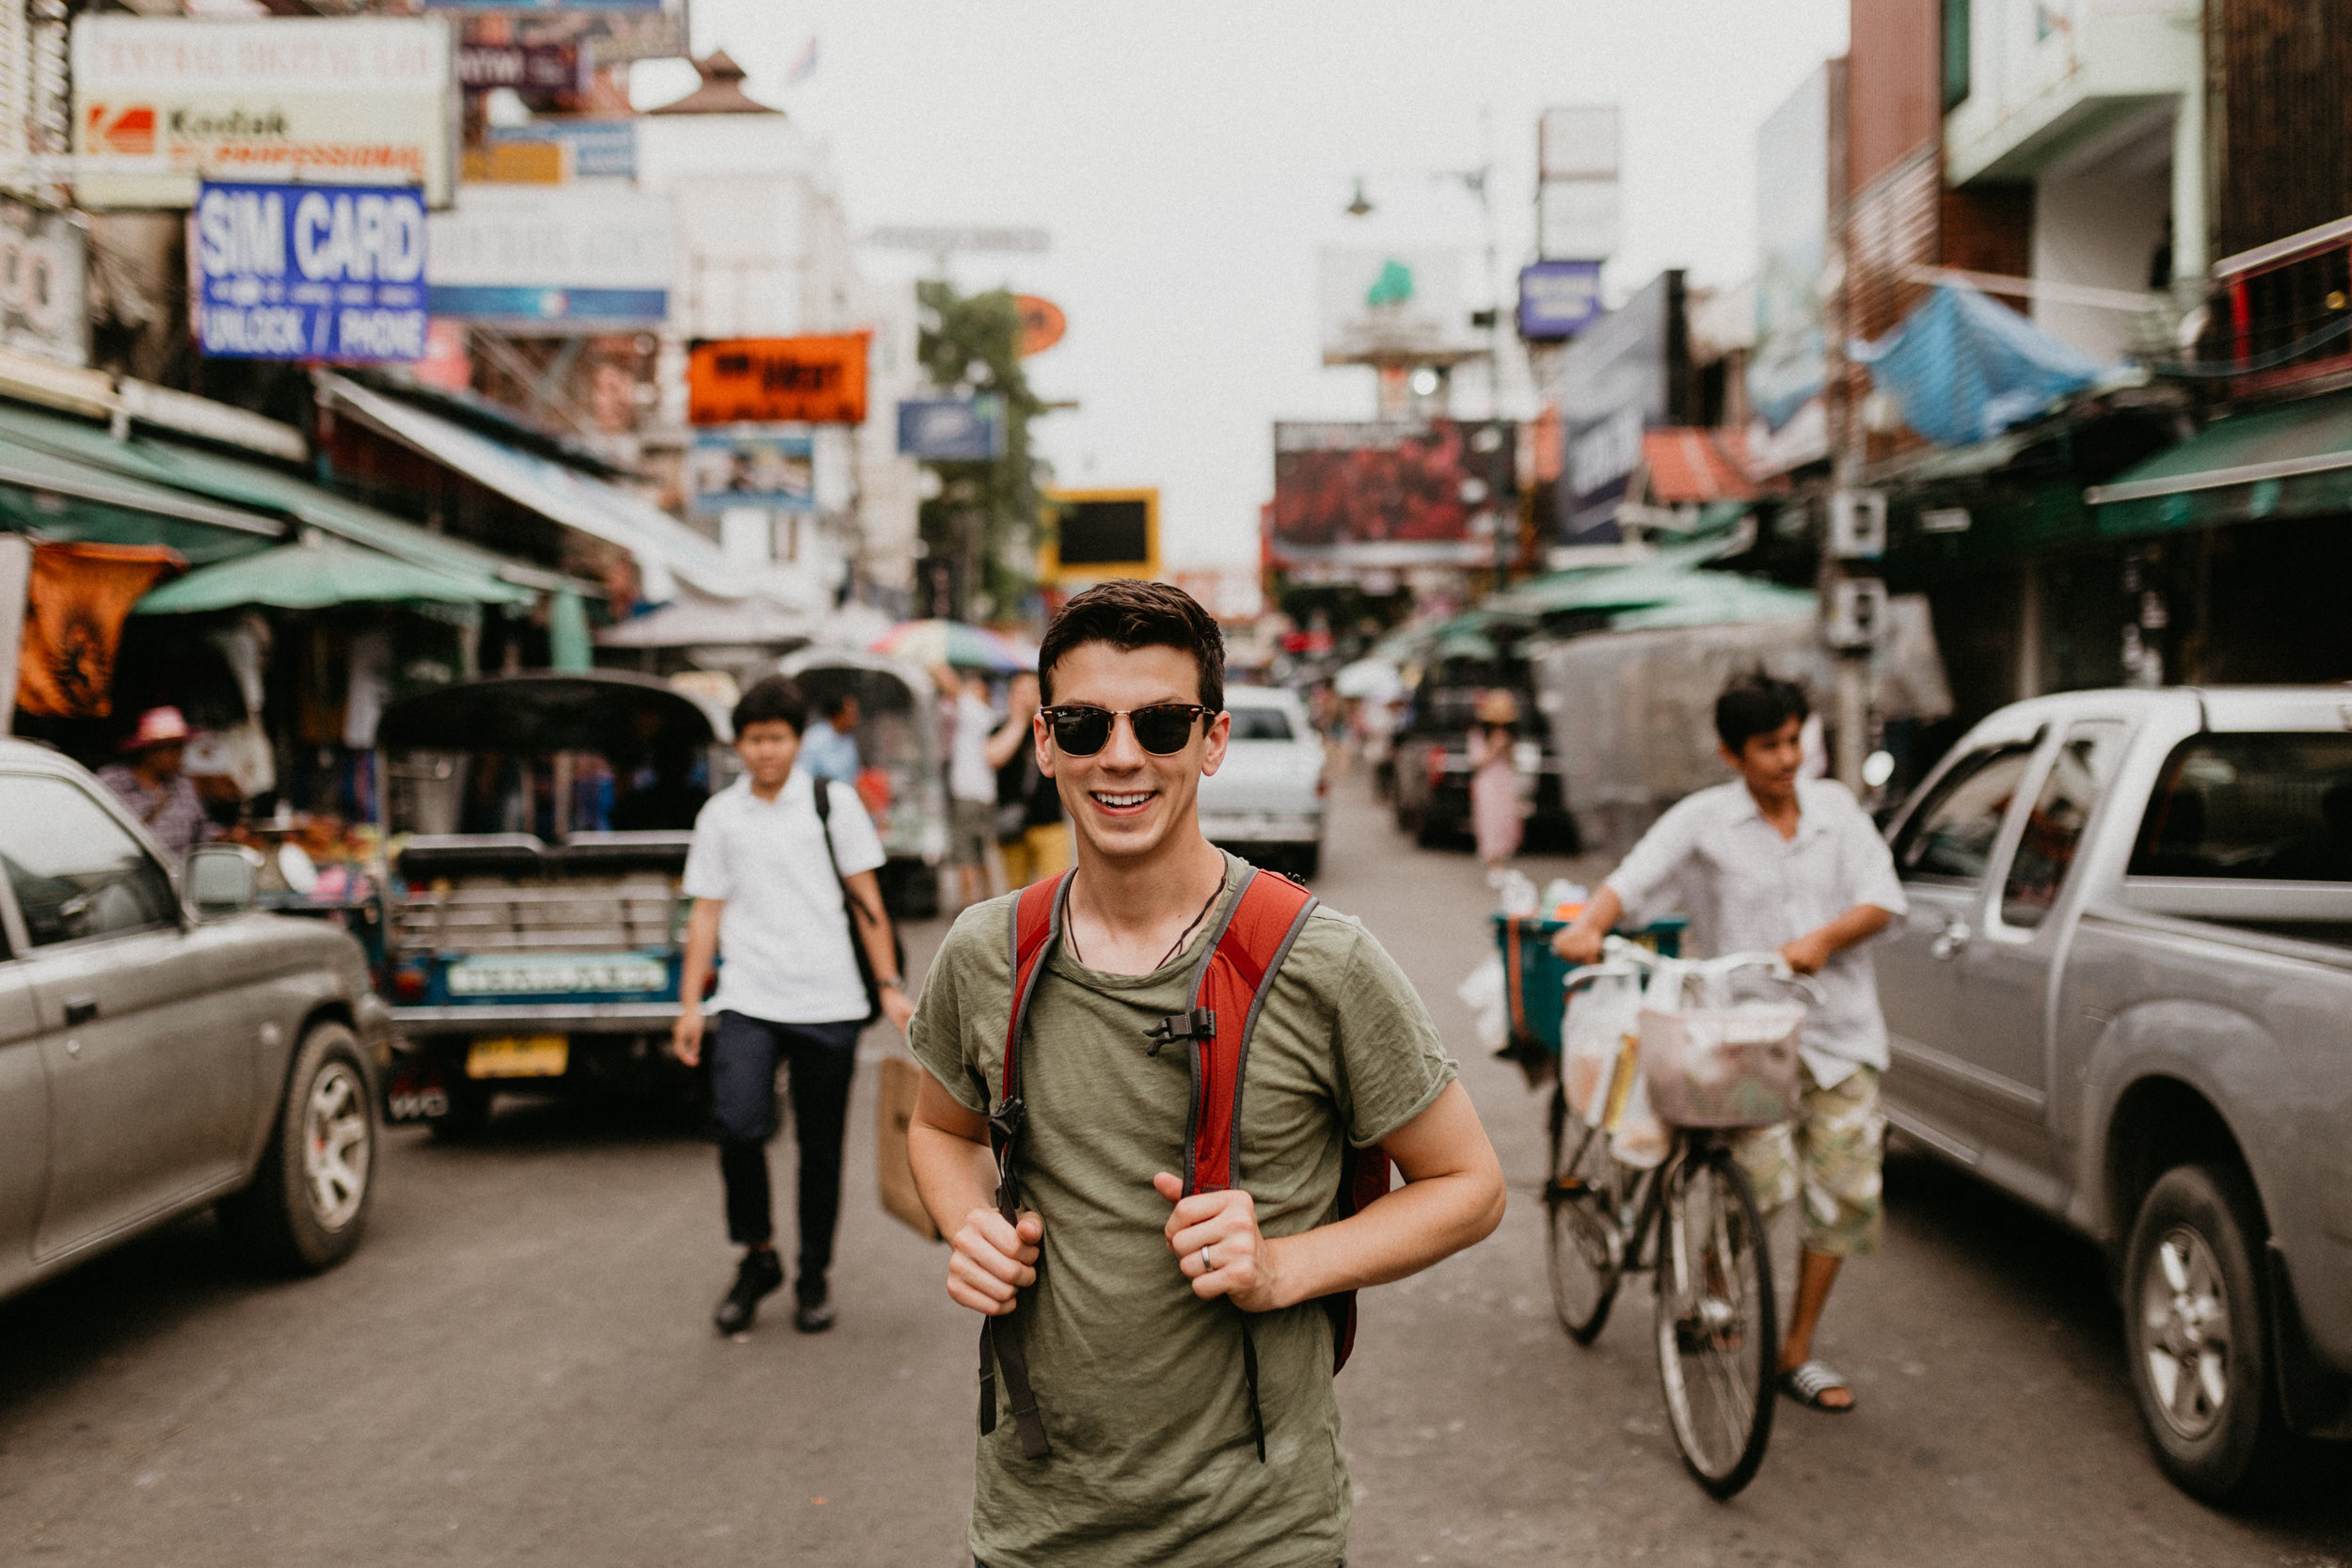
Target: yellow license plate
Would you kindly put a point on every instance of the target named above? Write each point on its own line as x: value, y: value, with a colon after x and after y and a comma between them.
x: 528, y: 1056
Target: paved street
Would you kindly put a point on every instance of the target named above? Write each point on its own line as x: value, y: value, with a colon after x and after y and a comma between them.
x: 518, y: 1367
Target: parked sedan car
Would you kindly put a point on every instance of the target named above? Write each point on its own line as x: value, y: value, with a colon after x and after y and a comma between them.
x: 165, y: 1046
x: 2121, y: 994
x: 1266, y: 803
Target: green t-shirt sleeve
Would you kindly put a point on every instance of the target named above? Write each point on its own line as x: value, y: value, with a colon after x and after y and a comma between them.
x: 1392, y: 1065
x: 936, y: 1033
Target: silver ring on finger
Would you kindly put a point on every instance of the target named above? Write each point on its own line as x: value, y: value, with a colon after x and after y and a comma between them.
x: 1206, y: 1267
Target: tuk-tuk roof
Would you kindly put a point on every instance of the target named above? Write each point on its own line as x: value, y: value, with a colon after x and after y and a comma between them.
x: 614, y: 713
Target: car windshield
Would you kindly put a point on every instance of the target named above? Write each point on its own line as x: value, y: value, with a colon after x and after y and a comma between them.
x: 1261, y: 723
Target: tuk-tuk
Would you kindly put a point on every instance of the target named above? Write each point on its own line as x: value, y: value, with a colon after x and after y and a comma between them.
x: 901, y: 776
x: 539, y: 829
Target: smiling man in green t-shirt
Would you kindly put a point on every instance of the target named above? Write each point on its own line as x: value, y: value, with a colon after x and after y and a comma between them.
x: 1111, y: 1281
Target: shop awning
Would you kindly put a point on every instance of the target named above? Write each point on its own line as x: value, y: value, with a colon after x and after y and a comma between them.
x: 691, y: 620
x: 665, y: 548
x: 54, y: 495
x: 189, y: 472
x: 2293, y: 461
x: 319, y: 573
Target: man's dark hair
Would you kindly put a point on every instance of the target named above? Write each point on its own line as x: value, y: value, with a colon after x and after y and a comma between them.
x: 828, y: 706
x: 1131, y: 613
x: 776, y: 697
x: 1756, y: 704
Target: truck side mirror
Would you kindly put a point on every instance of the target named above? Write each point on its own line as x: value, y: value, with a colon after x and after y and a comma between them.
x: 223, y: 878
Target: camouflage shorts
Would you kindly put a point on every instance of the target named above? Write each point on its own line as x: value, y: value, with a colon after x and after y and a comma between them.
x: 1831, y: 1155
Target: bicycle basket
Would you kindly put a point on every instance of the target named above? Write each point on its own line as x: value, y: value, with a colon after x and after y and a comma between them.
x: 1721, y: 1067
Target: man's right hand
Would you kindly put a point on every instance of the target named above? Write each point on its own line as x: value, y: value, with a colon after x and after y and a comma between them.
x: 991, y: 1263
x: 1579, y: 944
x: 686, y: 1036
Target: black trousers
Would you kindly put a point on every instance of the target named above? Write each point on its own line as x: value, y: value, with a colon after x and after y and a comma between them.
x: 821, y: 1059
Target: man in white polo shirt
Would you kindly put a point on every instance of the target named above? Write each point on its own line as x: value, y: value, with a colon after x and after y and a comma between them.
x: 768, y: 872
x: 1772, y: 861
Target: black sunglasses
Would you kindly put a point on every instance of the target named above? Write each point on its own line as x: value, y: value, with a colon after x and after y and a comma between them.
x: 1162, y: 729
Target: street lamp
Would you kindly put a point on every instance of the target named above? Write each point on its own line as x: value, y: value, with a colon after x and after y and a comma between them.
x: 1362, y: 205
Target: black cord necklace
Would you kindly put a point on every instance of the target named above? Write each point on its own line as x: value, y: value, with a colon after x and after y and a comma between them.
x: 1174, y: 948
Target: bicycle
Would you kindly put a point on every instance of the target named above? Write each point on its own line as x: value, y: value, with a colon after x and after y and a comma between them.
x: 1694, y: 1222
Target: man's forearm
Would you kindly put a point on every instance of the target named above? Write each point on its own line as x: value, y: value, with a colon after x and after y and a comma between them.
x: 1006, y: 741
x: 1601, y: 912
x: 1857, y: 924
x: 953, y: 1174
x: 1400, y: 1235
x: 702, y: 947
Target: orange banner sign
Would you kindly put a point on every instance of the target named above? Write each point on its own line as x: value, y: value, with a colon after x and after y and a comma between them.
x: 778, y: 380
x: 74, y: 615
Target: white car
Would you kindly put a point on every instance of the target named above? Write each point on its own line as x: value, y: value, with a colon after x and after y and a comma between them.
x: 1266, y: 802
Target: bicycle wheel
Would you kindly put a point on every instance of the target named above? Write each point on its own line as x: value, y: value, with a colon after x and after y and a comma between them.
x: 1718, y: 1343
x: 1583, y: 1241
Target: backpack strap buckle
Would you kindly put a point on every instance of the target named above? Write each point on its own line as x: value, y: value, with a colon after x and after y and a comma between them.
x: 1198, y: 1025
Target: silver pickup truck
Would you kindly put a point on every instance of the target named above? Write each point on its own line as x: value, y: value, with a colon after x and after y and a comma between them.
x: 2125, y: 994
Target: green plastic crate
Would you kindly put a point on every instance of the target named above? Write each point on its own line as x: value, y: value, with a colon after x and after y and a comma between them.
x: 1538, y: 975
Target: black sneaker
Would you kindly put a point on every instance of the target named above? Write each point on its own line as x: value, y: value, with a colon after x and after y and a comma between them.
x: 760, y: 1274
x: 814, y: 1313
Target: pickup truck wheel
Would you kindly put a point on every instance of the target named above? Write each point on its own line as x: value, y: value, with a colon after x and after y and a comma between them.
x: 309, y: 1201
x: 2194, y: 1320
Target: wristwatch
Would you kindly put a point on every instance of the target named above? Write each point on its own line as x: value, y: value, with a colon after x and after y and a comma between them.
x: 891, y: 984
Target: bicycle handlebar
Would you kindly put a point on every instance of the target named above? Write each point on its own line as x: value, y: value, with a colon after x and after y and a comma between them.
x: 1621, y: 956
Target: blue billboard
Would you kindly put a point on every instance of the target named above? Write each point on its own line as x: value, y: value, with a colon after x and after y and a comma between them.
x: 310, y: 272
x: 952, y: 430
x: 1558, y: 299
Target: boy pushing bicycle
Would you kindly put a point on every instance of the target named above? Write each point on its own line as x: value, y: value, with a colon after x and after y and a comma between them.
x: 1772, y: 861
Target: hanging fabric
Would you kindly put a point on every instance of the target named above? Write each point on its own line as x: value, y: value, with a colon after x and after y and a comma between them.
x: 79, y: 596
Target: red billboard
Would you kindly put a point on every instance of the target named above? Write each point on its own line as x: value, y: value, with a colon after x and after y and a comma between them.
x: 1391, y: 492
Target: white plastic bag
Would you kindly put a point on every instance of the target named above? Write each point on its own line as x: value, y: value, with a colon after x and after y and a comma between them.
x: 1636, y: 1136
x: 1594, y: 1032
x: 1487, y: 994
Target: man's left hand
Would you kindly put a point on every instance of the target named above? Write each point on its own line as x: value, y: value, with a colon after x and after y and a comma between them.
x: 898, y: 1008
x: 1808, y: 953
x: 1219, y: 1246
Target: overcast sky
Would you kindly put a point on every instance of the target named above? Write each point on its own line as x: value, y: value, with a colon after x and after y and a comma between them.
x: 1189, y: 161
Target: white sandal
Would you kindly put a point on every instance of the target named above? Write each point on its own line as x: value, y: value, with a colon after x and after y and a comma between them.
x: 1809, y: 1383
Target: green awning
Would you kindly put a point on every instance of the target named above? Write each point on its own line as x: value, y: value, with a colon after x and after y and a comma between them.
x: 1581, y: 588
x: 1722, y: 599
x: 192, y: 472
x: 2293, y: 461
x: 58, y: 498
x: 320, y: 573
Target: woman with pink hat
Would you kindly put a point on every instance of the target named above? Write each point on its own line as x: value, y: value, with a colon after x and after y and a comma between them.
x: 148, y: 781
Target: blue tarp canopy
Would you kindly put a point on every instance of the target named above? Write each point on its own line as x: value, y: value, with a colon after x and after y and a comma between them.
x: 1965, y: 369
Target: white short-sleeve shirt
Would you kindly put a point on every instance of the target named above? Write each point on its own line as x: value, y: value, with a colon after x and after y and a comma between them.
x: 783, y: 936
x: 1746, y: 889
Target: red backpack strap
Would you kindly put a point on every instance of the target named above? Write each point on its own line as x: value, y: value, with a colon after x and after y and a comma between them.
x: 1034, y: 927
x: 1229, y: 990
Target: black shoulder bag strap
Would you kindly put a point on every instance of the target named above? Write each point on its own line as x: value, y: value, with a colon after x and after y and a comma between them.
x: 855, y: 908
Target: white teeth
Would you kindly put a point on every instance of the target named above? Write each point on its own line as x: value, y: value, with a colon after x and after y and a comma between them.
x: 1122, y: 799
